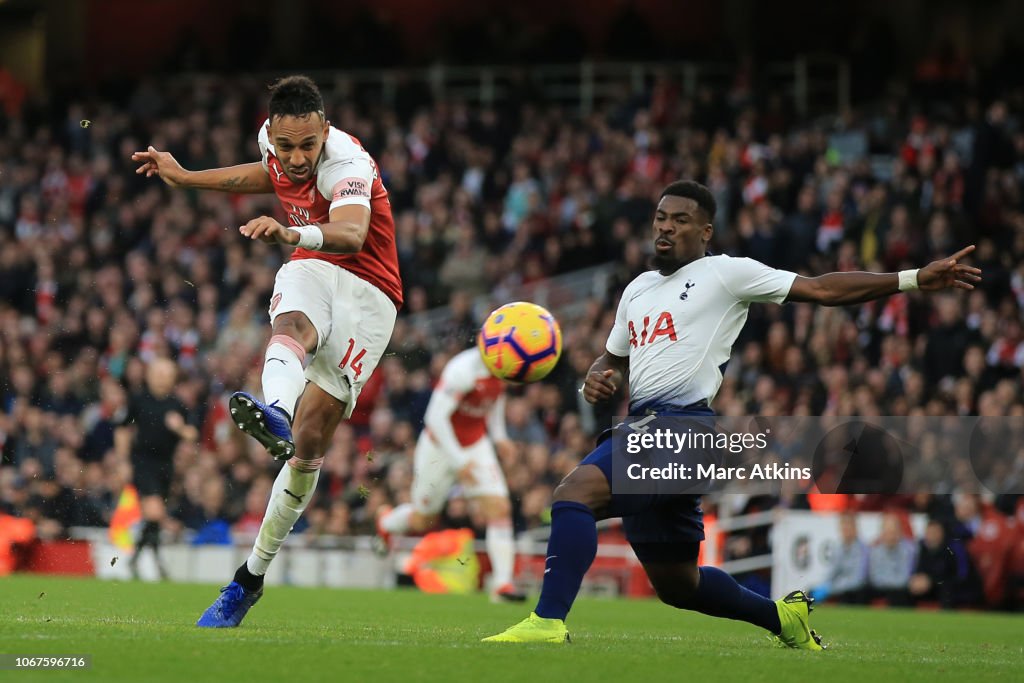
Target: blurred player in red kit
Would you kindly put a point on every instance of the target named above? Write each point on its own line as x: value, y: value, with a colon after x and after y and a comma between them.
x: 467, y: 405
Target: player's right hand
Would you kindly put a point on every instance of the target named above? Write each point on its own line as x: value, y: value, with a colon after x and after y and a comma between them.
x: 162, y: 164
x: 268, y: 230
x: 949, y: 273
x: 599, y: 386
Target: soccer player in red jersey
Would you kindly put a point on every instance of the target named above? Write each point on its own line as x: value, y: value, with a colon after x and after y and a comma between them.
x: 467, y: 407
x: 335, y: 300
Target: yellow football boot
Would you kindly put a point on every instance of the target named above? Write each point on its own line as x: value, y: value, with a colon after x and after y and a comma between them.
x: 533, y: 629
x: 794, y: 613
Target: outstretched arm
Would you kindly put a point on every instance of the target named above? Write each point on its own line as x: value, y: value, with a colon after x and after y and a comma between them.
x: 344, y: 234
x: 844, y: 289
x: 242, y: 179
x: 605, y: 377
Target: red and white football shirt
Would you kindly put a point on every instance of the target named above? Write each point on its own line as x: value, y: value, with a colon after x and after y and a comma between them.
x: 346, y: 174
x: 470, y: 397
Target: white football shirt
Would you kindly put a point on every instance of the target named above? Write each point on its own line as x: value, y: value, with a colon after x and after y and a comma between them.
x: 678, y: 330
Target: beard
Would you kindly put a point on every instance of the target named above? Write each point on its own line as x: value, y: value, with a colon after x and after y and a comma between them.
x: 668, y: 263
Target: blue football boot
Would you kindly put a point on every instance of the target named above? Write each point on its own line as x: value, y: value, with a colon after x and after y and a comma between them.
x: 267, y: 424
x: 228, y: 610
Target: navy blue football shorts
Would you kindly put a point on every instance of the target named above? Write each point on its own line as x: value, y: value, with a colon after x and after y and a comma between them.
x: 659, y: 527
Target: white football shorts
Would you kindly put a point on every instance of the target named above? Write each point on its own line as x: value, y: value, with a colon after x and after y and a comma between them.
x: 353, y: 321
x: 435, y: 473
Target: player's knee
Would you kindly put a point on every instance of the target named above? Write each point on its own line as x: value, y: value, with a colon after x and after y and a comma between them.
x: 297, y: 326
x: 496, y: 508
x: 419, y: 521
x: 585, y: 485
x: 153, y: 508
x: 288, y: 326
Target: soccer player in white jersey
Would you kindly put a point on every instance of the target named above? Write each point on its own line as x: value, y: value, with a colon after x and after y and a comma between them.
x: 467, y: 405
x: 674, y: 329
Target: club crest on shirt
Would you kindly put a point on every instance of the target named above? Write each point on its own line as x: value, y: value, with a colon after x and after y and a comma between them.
x: 686, y: 292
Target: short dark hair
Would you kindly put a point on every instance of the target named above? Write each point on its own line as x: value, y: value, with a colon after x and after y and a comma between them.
x: 295, y: 96
x: 696, y: 192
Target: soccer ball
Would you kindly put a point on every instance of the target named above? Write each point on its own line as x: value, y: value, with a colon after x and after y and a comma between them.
x: 520, y: 342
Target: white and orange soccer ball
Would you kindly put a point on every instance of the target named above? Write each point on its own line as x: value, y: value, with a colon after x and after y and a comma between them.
x: 520, y: 342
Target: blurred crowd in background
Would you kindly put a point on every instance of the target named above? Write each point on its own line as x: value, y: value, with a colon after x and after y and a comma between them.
x: 102, y: 270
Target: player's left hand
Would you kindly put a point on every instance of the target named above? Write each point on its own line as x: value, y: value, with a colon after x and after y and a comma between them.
x: 266, y: 229
x: 949, y: 273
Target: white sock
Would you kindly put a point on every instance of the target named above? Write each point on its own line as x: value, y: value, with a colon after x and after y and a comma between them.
x: 501, y: 550
x: 397, y: 521
x: 283, y: 376
x: 288, y: 499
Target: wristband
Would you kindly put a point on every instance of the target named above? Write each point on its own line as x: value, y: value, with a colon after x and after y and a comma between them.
x: 908, y: 280
x: 310, y: 237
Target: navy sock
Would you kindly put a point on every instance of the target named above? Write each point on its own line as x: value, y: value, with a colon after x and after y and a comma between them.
x: 571, y: 551
x: 718, y: 595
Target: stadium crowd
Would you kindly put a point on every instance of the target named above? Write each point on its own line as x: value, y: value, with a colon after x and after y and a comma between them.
x: 102, y: 271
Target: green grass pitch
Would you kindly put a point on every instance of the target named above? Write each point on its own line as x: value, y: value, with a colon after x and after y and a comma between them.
x: 144, y: 632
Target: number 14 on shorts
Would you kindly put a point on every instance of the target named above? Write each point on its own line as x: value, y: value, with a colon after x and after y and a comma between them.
x: 356, y: 365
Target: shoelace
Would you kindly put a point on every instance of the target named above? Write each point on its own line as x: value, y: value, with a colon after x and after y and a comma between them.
x: 233, y: 597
